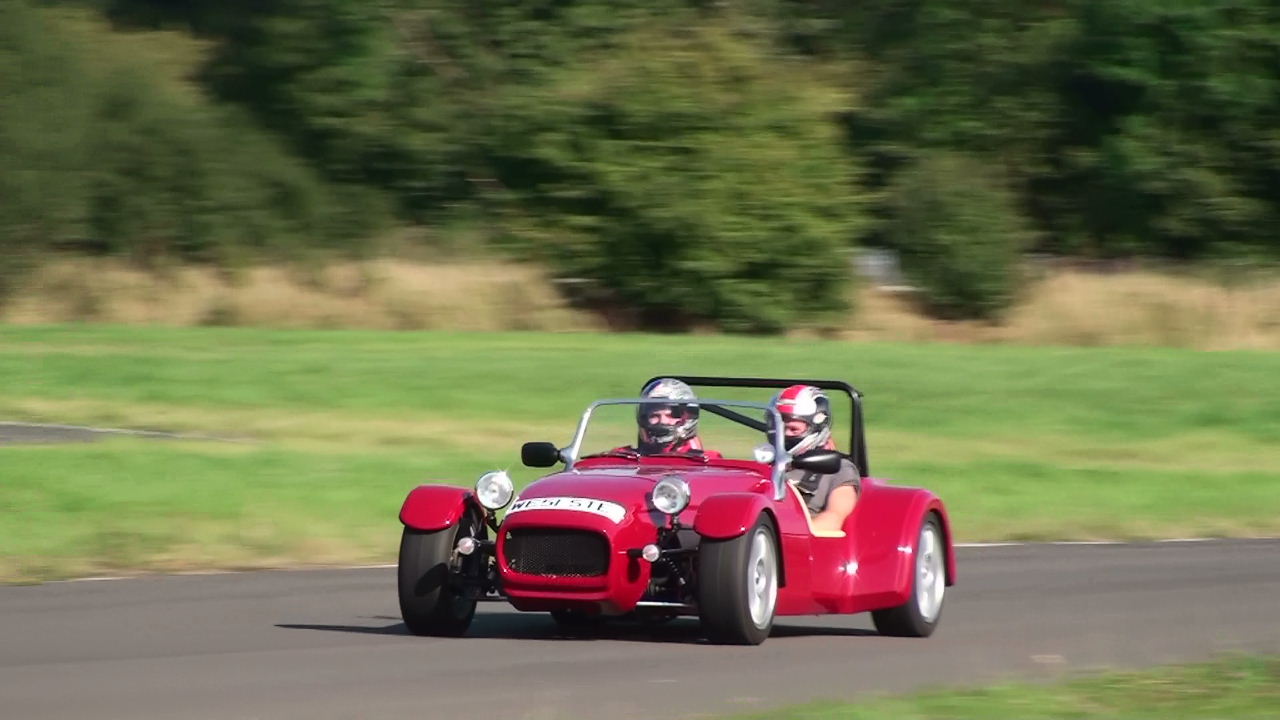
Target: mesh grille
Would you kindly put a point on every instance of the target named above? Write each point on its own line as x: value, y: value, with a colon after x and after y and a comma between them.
x: 557, y: 551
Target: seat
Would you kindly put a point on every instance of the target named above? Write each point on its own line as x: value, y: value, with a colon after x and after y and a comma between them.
x: 809, y: 519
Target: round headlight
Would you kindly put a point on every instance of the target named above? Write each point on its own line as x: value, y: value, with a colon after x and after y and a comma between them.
x: 494, y: 489
x: 671, y: 495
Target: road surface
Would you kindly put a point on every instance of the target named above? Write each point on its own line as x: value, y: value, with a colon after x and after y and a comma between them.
x: 330, y: 644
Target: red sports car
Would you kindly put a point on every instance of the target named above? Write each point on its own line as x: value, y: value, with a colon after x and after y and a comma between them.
x: 724, y: 538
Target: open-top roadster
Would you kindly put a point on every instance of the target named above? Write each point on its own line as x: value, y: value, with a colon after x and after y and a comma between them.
x: 726, y: 539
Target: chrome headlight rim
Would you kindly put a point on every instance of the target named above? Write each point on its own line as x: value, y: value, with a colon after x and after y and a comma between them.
x: 671, y: 495
x: 495, y: 490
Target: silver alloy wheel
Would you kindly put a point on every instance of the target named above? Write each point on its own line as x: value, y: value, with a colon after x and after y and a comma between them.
x: 930, y: 577
x: 762, y: 578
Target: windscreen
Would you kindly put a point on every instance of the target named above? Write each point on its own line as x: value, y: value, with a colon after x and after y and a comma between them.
x: 666, y: 427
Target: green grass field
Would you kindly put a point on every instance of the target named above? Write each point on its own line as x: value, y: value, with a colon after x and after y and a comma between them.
x: 1242, y: 688
x: 336, y: 426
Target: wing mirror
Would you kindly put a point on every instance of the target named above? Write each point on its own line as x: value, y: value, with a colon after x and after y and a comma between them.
x: 539, y: 454
x: 824, y: 462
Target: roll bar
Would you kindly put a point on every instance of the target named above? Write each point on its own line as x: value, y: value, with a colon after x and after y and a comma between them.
x: 857, y: 437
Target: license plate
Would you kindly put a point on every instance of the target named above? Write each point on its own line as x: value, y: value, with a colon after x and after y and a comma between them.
x: 613, y: 511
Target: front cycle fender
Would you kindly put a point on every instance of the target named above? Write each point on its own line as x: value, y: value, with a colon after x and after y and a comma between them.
x: 436, y: 507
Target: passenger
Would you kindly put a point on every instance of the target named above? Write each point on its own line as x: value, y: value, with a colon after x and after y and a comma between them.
x: 806, y: 423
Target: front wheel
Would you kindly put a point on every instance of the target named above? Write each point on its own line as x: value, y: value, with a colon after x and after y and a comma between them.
x: 431, y: 602
x: 919, y: 615
x: 738, y: 585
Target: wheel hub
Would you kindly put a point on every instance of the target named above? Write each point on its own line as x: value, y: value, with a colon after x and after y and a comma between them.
x: 762, y: 590
x: 930, y: 580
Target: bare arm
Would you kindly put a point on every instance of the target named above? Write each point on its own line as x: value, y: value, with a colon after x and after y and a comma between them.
x: 839, y: 505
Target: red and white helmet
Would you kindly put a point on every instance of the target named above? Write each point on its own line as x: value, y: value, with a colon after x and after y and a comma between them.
x: 664, y: 437
x: 807, y: 403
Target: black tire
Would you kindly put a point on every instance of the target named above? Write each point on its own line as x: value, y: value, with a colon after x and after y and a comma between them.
x: 730, y: 584
x: 928, y: 578
x: 429, y: 603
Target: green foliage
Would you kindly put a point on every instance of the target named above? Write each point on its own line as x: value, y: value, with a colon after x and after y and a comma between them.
x: 674, y: 152
x: 45, y: 112
x: 697, y: 178
x: 702, y: 181
x: 1134, y: 127
x: 403, y: 95
x: 959, y: 235
x: 96, y: 155
x: 1172, y: 145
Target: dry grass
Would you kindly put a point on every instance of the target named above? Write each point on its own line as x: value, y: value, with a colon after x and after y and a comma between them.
x: 1146, y: 308
x: 1071, y: 307
x: 381, y: 294
x: 1065, y: 307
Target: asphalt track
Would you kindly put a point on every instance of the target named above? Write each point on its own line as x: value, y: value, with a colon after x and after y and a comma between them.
x: 330, y: 644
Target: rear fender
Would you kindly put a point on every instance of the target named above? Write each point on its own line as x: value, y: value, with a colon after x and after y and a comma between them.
x: 885, y: 531
x: 436, y: 507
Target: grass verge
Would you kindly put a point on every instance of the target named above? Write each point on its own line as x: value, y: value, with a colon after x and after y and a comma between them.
x: 1022, y: 443
x: 1242, y: 688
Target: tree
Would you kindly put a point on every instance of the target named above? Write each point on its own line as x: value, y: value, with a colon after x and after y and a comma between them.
x: 1133, y: 127
x: 98, y: 155
x: 695, y: 176
x: 959, y: 235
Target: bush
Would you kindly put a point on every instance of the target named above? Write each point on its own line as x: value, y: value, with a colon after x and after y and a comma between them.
x: 697, y: 178
x: 99, y: 155
x: 45, y: 108
x: 206, y: 186
x: 959, y: 235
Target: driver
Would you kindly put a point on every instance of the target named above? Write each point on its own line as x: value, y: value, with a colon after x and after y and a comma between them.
x: 668, y: 427
x: 806, y: 425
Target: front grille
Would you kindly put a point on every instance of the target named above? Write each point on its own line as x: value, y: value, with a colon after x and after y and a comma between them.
x: 557, y: 551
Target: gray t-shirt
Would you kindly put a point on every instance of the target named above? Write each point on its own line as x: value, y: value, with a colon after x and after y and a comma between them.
x: 816, y: 488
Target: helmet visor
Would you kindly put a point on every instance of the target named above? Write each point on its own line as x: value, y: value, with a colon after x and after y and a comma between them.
x: 652, y: 412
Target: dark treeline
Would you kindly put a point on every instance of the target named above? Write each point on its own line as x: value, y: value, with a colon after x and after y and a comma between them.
x: 694, y: 160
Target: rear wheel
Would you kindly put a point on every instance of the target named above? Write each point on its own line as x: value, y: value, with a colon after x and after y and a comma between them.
x: 432, y: 601
x: 919, y: 615
x: 738, y: 585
